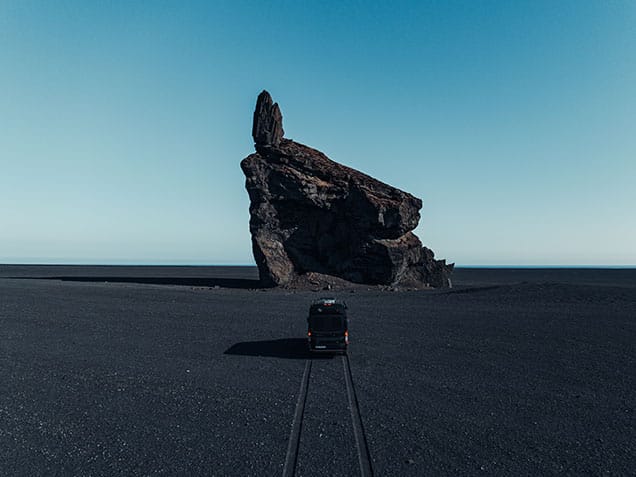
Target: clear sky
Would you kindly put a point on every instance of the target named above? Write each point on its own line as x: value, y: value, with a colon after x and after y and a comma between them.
x: 122, y: 124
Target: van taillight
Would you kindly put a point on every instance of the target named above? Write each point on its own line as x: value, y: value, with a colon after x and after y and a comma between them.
x: 309, y: 333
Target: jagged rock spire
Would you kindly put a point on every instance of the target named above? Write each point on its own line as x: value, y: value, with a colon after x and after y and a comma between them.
x: 267, y: 129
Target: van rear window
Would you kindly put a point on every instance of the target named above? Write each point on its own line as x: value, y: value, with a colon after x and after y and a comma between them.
x: 336, y: 309
x: 326, y: 323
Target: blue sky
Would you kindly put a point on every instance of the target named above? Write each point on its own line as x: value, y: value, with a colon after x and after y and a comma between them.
x: 122, y: 124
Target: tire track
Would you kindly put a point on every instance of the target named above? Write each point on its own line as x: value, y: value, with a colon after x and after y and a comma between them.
x: 364, y: 458
x: 294, y: 437
x: 362, y: 448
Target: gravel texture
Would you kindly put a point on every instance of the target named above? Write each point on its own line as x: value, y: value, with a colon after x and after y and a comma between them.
x: 194, y: 371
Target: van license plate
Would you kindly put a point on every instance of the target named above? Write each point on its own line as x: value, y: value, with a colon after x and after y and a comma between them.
x: 321, y: 347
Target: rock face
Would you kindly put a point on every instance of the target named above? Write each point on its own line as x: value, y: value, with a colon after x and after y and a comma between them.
x: 311, y: 214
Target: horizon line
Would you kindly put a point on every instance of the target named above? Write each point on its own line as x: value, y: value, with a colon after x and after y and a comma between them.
x: 124, y: 263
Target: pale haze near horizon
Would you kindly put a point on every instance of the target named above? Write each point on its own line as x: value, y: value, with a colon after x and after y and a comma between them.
x: 122, y: 126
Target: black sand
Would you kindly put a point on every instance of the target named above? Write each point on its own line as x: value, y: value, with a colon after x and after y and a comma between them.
x: 153, y: 370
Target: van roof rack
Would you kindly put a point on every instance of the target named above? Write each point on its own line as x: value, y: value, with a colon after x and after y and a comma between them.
x: 327, y: 302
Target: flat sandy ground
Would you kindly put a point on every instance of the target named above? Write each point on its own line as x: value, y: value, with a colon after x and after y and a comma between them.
x: 195, y: 372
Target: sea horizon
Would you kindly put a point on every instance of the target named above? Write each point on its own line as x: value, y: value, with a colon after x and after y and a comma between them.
x: 125, y: 263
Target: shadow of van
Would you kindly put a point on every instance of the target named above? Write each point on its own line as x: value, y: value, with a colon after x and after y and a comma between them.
x: 286, y: 348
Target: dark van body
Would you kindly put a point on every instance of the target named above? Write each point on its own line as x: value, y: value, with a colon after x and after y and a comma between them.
x: 328, y: 326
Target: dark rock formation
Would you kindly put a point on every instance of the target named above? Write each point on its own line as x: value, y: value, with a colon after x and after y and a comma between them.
x: 267, y: 129
x: 311, y: 214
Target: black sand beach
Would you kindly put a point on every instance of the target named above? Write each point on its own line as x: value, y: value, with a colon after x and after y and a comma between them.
x: 196, y: 371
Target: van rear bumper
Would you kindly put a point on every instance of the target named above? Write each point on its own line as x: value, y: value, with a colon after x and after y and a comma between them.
x: 326, y: 344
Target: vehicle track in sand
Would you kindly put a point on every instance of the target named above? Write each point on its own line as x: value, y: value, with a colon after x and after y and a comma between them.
x: 362, y: 449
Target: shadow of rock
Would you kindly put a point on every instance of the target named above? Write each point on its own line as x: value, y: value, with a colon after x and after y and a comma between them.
x: 184, y: 281
x: 473, y: 289
x: 286, y: 348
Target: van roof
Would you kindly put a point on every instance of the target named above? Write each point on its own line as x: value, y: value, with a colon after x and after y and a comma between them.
x: 329, y: 306
x: 327, y: 302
